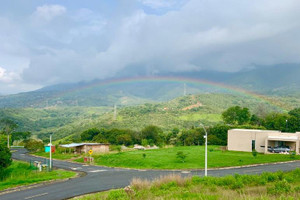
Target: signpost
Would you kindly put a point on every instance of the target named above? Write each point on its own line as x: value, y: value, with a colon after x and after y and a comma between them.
x: 90, y: 152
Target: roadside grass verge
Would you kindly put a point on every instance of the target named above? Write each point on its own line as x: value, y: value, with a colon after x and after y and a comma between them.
x: 166, y: 158
x: 21, y: 173
x: 266, y: 186
x: 58, y: 155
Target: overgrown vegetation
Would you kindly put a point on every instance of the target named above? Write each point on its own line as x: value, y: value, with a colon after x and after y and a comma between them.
x: 268, y: 185
x: 21, y: 173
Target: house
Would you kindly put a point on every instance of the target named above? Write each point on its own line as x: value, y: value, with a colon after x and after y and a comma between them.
x: 260, y: 140
x: 85, y: 147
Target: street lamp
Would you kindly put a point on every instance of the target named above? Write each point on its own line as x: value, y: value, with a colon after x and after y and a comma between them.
x: 205, y: 148
x: 50, y: 144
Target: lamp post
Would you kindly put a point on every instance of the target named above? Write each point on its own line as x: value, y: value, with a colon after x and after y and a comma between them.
x: 205, y: 173
x: 50, y: 144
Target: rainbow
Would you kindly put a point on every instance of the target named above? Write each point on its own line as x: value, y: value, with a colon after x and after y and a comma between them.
x: 168, y: 79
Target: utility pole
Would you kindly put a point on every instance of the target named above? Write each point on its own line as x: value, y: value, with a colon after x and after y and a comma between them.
x: 205, y: 149
x: 50, y: 163
x: 115, y: 112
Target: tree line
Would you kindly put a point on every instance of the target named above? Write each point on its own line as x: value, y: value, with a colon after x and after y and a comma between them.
x: 233, y: 117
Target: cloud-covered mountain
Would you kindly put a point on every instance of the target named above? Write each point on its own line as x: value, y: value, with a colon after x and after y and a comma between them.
x: 270, y: 80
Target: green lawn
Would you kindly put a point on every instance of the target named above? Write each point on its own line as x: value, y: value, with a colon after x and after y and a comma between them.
x: 21, y: 173
x: 266, y: 186
x: 166, y: 158
x: 57, y: 155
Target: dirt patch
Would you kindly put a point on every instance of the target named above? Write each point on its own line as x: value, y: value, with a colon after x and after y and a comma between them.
x: 198, y: 104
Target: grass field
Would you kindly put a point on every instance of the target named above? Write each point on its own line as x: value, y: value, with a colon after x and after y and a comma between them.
x: 166, y: 158
x: 197, y: 117
x: 21, y: 173
x: 266, y: 186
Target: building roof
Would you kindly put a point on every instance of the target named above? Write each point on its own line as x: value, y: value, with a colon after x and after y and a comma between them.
x: 80, y: 144
x: 283, y: 138
x: 254, y: 130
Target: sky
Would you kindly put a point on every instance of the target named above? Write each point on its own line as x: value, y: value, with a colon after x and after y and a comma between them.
x: 45, y: 42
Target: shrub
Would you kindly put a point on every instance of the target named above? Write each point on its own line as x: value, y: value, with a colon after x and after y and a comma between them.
x: 5, y: 160
x: 144, y: 142
x: 297, y: 189
x: 254, y: 153
x: 269, y: 177
x: 237, y: 185
x: 292, y: 154
x: 181, y: 156
x: 34, y: 145
x: 280, y: 187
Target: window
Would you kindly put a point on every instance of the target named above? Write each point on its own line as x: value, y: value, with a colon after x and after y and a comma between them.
x: 253, y: 144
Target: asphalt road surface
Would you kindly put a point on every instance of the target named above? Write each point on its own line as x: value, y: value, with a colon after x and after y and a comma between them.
x: 104, y: 178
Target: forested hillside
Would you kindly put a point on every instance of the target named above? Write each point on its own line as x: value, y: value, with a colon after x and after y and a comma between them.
x: 182, y: 112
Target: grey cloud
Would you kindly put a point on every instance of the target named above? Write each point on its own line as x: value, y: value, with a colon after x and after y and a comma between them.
x: 82, y: 44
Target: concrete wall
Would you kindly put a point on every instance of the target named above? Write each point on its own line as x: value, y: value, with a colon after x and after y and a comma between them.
x: 241, y: 139
x: 101, y: 148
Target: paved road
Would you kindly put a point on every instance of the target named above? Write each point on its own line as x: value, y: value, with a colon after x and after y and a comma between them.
x: 104, y: 178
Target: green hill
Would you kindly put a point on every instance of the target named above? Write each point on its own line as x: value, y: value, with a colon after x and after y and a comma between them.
x: 181, y: 112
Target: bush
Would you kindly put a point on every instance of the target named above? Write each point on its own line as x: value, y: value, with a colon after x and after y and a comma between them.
x: 181, y: 156
x: 144, y: 142
x: 254, y: 153
x: 280, y: 187
x: 34, y: 145
x: 5, y: 160
x: 292, y: 154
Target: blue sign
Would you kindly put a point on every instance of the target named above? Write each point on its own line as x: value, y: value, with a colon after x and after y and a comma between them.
x: 47, y: 149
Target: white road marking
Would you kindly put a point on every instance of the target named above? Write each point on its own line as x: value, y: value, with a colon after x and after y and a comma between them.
x: 75, y: 168
x: 38, y: 195
x: 99, y: 170
x: 185, y: 172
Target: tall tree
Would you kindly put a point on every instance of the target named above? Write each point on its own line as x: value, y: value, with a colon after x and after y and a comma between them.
x: 236, y: 115
x: 5, y: 159
x: 8, y: 126
x: 152, y: 134
x: 20, y: 136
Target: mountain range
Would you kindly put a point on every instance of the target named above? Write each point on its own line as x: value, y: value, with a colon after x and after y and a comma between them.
x: 137, y: 87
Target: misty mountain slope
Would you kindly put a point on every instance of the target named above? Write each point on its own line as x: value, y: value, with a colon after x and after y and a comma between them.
x: 270, y: 80
x: 280, y: 79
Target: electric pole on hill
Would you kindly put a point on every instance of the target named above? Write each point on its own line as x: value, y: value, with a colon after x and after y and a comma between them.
x: 115, y: 112
x: 184, y: 89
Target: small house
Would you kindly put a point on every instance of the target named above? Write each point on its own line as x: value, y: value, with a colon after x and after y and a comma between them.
x: 263, y: 141
x: 85, y: 147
